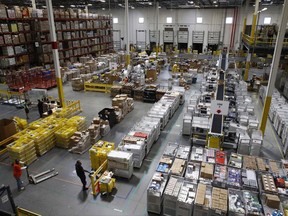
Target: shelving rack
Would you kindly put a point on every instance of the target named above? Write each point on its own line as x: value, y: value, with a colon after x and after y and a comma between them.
x: 25, y: 39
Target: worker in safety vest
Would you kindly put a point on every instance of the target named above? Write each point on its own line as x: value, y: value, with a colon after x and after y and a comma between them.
x: 17, y: 172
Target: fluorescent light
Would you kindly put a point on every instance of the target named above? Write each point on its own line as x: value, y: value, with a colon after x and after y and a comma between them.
x: 159, y: 7
x: 190, y: 2
x: 120, y: 4
x: 141, y: 20
x: 43, y: 6
x: 61, y: 6
x: 132, y: 7
x: 199, y: 20
x: 102, y: 0
x: 229, y: 20
x: 214, y: 2
x: 150, y: 3
x: 169, y: 20
x: 89, y: 5
x: 115, y: 20
x: 72, y: 5
x: 267, y: 20
x: 103, y: 8
x: 216, y: 5
x: 264, y: 9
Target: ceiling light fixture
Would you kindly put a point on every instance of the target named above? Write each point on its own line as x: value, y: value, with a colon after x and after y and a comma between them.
x: 103, y: 8
x: 61, y: 6
x: 159, y: 7
x: 43, y: 6
x: 120, y: 4
x: 214, y: 2
x: 150, y: 3
x: 89, y: 5
x: 72, y: 5
x: 103, y: 1
x: 216, y: 5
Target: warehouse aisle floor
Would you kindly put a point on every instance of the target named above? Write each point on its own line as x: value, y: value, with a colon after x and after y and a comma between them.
x: 62, y: 194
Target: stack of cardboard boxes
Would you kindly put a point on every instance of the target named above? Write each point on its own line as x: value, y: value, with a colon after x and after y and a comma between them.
x: 201, y: 196
x: 94, y: 130
x: 115, y: 90
x: 272, y: 201
x: 77, y: 84
x: 128, y: 89
x: 268, y: 183
x: 249, y: 162
x: 207, y: 170
x: 178, y: 167
x: 262, y: 165
x: 219, y: 199
x: 123, y: 102
x: 80, y: 142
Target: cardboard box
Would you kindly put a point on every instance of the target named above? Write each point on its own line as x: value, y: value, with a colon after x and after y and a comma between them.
x: 7, y: 128
x: 272, y: 201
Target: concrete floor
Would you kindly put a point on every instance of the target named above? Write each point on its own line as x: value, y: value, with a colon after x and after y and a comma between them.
x: 62, y: 195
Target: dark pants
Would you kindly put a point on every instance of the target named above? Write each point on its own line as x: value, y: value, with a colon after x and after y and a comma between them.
x: 83, y: 180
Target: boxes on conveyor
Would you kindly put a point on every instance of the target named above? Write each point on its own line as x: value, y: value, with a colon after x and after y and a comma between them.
x: 63, y: 136
x: 115, y: 90
x: 22, y: 149
x: 77, y: 121
x: 121, y: 163
x: 98, y: 153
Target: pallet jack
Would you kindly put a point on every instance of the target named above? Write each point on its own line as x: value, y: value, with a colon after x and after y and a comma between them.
x: 36, y: 179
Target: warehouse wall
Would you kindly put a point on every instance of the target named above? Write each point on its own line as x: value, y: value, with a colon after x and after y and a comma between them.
x: 213, y: 20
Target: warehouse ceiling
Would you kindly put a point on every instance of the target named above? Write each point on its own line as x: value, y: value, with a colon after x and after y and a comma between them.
x: 133, y: 4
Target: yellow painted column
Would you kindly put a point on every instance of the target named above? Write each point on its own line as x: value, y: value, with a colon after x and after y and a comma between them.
x: 246, y: 74
x: 274, y: 66
x: 244, y: 25
x: 60, y: 91
x: 254, y: 21
x: 127, y: 60
x: 266, y: 109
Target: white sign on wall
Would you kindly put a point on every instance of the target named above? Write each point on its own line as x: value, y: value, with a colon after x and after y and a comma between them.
x: 219, y: 107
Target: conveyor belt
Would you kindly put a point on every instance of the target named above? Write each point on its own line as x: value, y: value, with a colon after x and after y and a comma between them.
x: 220, y: 92
x: 216, y: 127
x: 221, y: 76
x: 223, y: 63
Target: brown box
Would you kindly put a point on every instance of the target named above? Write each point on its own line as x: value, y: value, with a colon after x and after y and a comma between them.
x: 7, y: 128
x: 272, y: 201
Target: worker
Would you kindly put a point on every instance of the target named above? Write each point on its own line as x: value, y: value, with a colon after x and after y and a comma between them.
x: 17, y: 172
x: 40, y: 108
x: 26, y: 108
x: 81, y: 174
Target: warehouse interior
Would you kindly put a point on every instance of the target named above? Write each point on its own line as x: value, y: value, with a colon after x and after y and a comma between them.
x: 173, y: 107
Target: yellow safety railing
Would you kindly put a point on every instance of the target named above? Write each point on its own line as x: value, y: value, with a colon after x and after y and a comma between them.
x: 95, y: 178
x: 265, y: 42
x: 25, y: 212
x: 73, y: 104
x: 4, y: 143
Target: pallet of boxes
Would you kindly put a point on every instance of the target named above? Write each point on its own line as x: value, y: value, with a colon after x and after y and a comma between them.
x: 80, y: 142
x: 94, y: 130
x: 123, y: 102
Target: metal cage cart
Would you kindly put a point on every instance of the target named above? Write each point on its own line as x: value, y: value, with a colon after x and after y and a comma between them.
x: 186, y: 198
x: 171, y: 194
x: 193, y: 171
x: 155, y: 192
